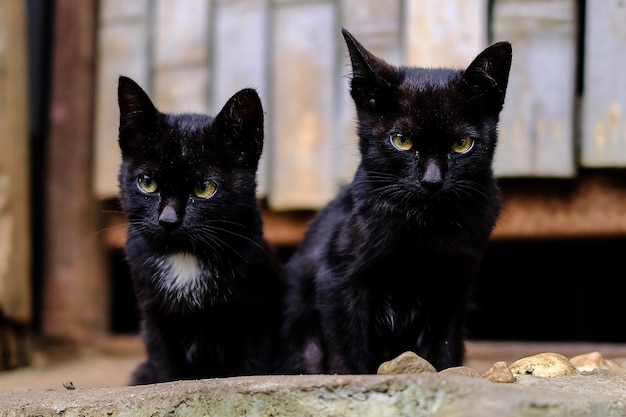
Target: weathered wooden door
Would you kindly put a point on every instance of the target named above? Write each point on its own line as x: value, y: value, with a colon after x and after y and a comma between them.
x: 192, y: 55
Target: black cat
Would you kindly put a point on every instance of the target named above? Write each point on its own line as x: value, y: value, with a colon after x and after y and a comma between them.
x: 206, y: 282
x: 388, y: 266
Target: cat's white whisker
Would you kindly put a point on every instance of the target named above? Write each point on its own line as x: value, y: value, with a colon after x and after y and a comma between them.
x: 211, y: 239
x: 236, y: 234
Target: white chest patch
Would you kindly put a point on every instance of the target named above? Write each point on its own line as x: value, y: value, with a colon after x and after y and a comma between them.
x: 183, y: 279
x: 181, y: 272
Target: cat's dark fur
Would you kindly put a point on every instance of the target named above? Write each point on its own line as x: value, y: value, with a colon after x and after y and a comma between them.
x: 206, y: 281
x: 388, y: 266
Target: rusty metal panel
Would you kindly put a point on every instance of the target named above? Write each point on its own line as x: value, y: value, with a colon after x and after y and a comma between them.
x: 603, y: 140
x: 537, y: 123
x: 304, y: 41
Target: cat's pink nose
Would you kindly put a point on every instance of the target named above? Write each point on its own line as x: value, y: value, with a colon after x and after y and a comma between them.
x: 432, y: 178
x: 168, y: 218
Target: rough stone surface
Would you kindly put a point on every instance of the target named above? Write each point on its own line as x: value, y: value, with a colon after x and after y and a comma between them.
x: 598, y: 393
x: 45, y: 389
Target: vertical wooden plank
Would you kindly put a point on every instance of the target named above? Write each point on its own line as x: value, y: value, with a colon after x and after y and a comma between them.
x: 75, y: 302
x: 122, y: 44
x: 181, y: 57
x: 303, y: 41
x: 444, y: 34
x: 239, y: 48
x: 536, y: 125
x: 15, y: 241
x: 14, y: 186
x: 240, y: 58
x: 604, y: 97
x: 377, y: 25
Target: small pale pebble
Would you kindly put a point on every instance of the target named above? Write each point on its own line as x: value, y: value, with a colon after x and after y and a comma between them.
x: 588, y: 362
x: 499, y: 372
x: 406, y: 363
x: 460, y: 370
x: 543, y: 364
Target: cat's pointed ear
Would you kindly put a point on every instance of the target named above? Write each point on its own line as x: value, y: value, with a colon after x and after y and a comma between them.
x: 239, y: 125
x: 488, y: 74
x: 370, y: 74
x: 138, y: 116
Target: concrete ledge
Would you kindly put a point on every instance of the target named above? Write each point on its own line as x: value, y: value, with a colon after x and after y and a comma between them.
x: 596, y: 394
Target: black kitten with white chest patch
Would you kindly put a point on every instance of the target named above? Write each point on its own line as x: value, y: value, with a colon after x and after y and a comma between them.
x: 388, y: 266
x: 206, y: 281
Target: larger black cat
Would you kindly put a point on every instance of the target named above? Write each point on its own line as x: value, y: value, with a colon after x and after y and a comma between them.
x: 388, y: 266
x: 206, y: 281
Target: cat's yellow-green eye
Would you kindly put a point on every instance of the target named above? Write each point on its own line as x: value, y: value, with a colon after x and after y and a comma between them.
x: 401, y: 142
x: 205, y: 189
x: 147, y: 184
x: 463, y: 145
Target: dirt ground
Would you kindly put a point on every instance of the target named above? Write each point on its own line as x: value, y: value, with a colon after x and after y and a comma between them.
x: 107, y: 365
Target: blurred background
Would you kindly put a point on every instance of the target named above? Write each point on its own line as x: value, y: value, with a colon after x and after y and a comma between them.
x: 553, y: 269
